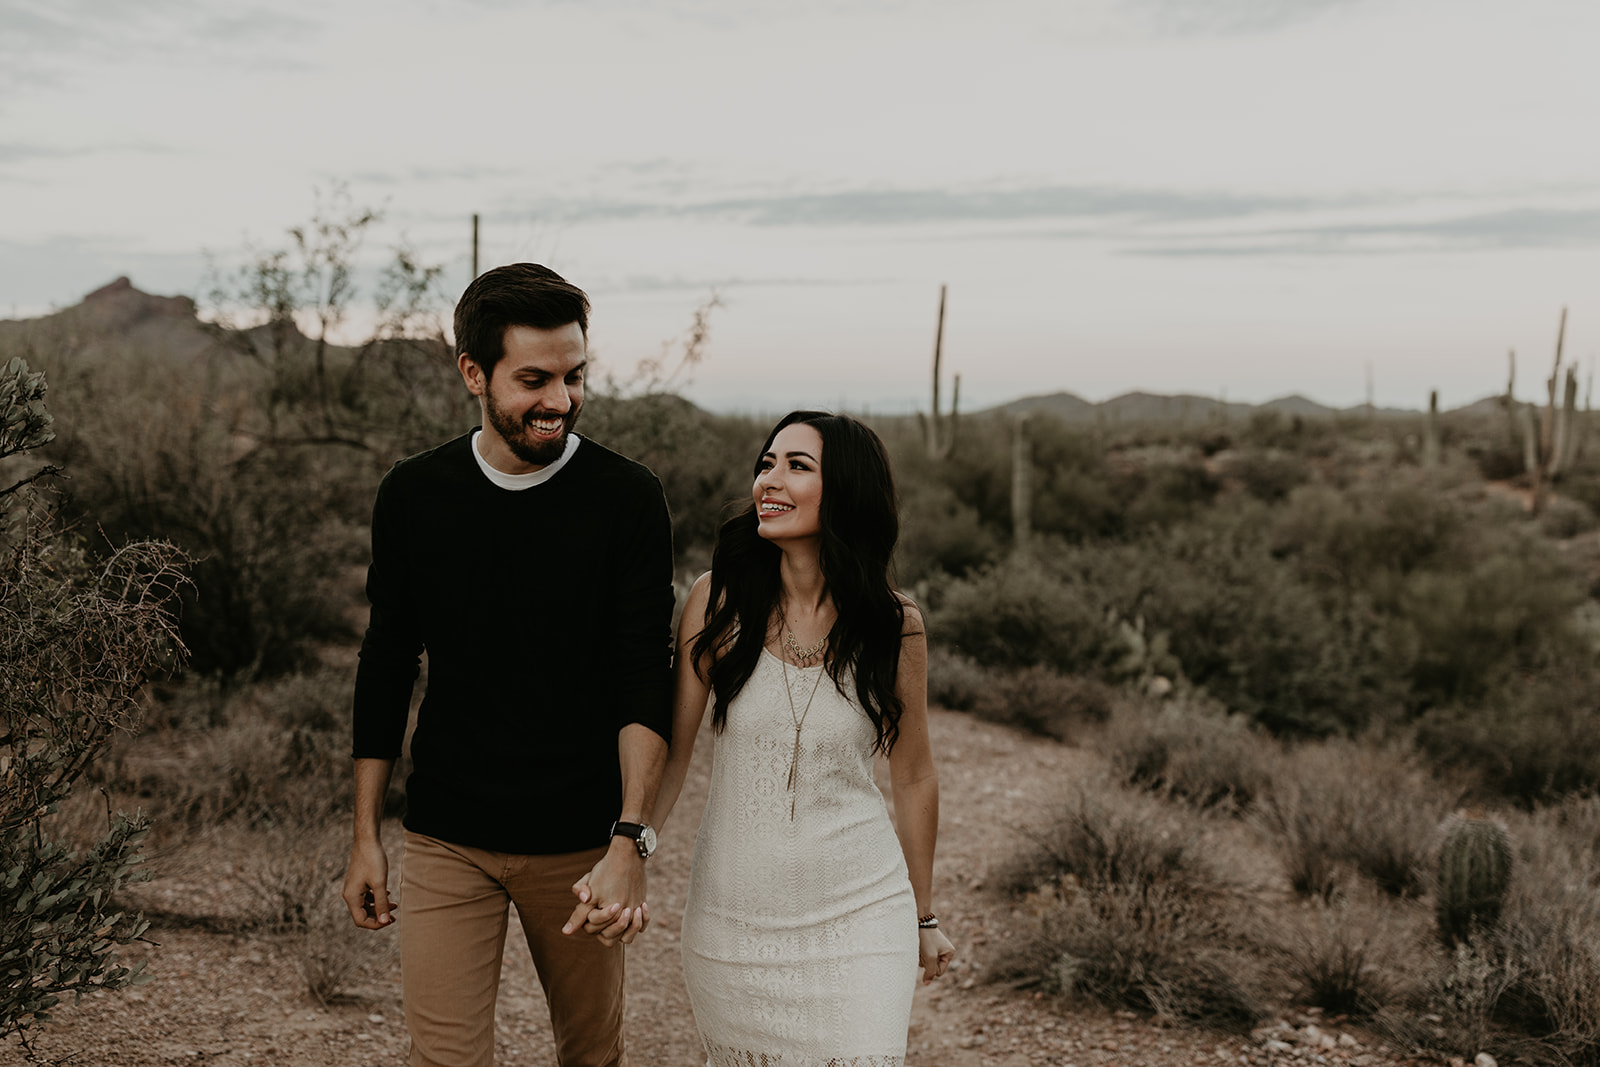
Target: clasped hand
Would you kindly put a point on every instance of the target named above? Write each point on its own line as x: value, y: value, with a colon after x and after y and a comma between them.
x: 611, y: 903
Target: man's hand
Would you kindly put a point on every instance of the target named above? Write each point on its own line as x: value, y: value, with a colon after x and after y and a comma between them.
x: 366, y: 887
x: 611, y: 903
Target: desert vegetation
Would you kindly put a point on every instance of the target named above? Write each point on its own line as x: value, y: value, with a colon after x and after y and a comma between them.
x: 1340, y: 674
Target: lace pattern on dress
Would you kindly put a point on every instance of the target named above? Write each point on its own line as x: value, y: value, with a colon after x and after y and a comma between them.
x: 722, y: 1056
x: 799, y: 939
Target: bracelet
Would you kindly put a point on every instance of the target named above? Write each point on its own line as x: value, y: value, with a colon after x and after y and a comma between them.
x: 929, y: 921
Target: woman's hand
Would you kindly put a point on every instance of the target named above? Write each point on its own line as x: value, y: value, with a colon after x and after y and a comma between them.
x: 934, y: 953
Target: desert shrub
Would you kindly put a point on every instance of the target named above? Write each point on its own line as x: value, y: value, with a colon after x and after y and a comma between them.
x: 1475, y: 626
x: 1550, y: 931
x: 1347, y: 955
x: 1339, y: 807
x: 1165, y: 494
x: 1268, y: 476
x: 80, y: 637
x: 1527, y: 988
x: 1189, y: 750
x: 1532, y: 739
x: 1565, y: 517
x: 1036, y: 699
x: 1204, y: 601
x: 1461, y: 597
x: 938, y: 533
x: 1043, y: 701
x: 1108, y: 835
x: 955, y: 681
x: 1499, y: 457
x: 1019, y: 614
x: 275, y: 754
x: 704, y: 461
x: 1246, y: 628
x: 1351, y: 537
x: 274, y: 525
x: 1076, y: 504
x: 292, y: 880
x: 1129, y: 912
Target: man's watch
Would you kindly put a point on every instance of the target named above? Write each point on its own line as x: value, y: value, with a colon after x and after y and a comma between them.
x: 644, y: 837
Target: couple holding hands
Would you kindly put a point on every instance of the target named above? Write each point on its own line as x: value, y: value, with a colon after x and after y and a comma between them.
x: 534, y: 567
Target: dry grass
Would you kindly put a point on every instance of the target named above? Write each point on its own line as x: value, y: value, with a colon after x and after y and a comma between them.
x: 1037, y: 699
x: 1338, y: 809
x: 1187, y: 750
x: 1353, y: 956
x: 1131, y: 912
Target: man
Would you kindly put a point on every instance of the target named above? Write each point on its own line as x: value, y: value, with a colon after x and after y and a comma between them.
x: 535, y: 568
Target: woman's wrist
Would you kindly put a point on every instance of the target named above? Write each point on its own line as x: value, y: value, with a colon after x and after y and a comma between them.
x: 927, y: 921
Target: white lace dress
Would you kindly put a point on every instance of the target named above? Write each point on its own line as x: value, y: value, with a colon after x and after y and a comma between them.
x: 800, y: 932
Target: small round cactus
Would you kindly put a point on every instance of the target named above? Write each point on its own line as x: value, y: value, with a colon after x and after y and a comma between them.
x: 1474, y: 876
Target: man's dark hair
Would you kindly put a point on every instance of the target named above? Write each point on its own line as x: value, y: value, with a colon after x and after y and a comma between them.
x: 518, y: 294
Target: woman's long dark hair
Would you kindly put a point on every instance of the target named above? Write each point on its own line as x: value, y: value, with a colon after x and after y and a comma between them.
x: 860, y: 524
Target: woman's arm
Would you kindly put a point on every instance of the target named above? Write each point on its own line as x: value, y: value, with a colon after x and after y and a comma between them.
x: 916, y: 787
x: 690, y: 692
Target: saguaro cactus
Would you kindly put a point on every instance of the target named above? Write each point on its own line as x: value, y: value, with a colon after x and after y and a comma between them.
x: 1474, y: 876
x: 1021, y: 484
x: 1550, y: 451
x: 1430, y: 439
x: 940, y: 442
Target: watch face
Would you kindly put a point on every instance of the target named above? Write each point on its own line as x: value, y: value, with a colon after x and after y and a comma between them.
x: 647, y: 840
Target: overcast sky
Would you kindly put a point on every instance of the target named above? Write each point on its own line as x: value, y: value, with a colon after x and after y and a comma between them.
x: 1239, y: 197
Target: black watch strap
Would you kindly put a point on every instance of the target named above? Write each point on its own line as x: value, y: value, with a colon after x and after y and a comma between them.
x: 644, y: 837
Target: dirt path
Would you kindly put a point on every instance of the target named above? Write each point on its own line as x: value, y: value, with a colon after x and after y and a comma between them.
x: 224, y: 998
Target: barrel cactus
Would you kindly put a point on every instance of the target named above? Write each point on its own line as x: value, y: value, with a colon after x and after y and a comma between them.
x: 1474, y: 876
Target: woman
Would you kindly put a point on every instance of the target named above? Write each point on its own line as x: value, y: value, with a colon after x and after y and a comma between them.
x: 806, y: 918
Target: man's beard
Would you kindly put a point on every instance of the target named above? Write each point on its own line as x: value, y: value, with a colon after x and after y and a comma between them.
x: 518, y: 437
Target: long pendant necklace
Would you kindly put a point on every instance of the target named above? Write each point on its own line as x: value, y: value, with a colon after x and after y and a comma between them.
x: 799, y: 720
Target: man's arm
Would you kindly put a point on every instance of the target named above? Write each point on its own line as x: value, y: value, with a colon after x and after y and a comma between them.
x: 611, y: 898
x: 366, y: 882
x: 390, y: 655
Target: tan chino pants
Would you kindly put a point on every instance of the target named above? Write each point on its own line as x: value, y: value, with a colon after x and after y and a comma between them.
x: 453, y: 923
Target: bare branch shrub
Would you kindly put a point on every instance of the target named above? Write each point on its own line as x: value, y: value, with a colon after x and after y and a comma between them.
x: 79, y: 635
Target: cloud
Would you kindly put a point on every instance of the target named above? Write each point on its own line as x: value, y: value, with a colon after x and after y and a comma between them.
x: 1518, y: 228
x: 902, y: 207
x: 44, y: 39
x: 1184, y: 18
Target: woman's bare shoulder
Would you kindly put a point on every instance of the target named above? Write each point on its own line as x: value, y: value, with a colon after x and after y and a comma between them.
x: 913, y: 615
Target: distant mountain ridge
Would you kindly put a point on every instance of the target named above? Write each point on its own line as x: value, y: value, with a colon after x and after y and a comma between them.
x: 1186, y: 407
x: 171, y: 322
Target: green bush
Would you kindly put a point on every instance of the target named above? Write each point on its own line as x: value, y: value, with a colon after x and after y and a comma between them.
x: 1564, y: 517
x: 1019, y: 614
x: 1268, y: 476
x: 939, y: 534
x: 1532, y: 739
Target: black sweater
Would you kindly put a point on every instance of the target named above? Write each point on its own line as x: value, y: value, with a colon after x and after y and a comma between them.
x: 546, y: 614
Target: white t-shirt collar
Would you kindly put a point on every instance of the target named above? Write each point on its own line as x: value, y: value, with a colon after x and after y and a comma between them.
x: 523, y: 481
